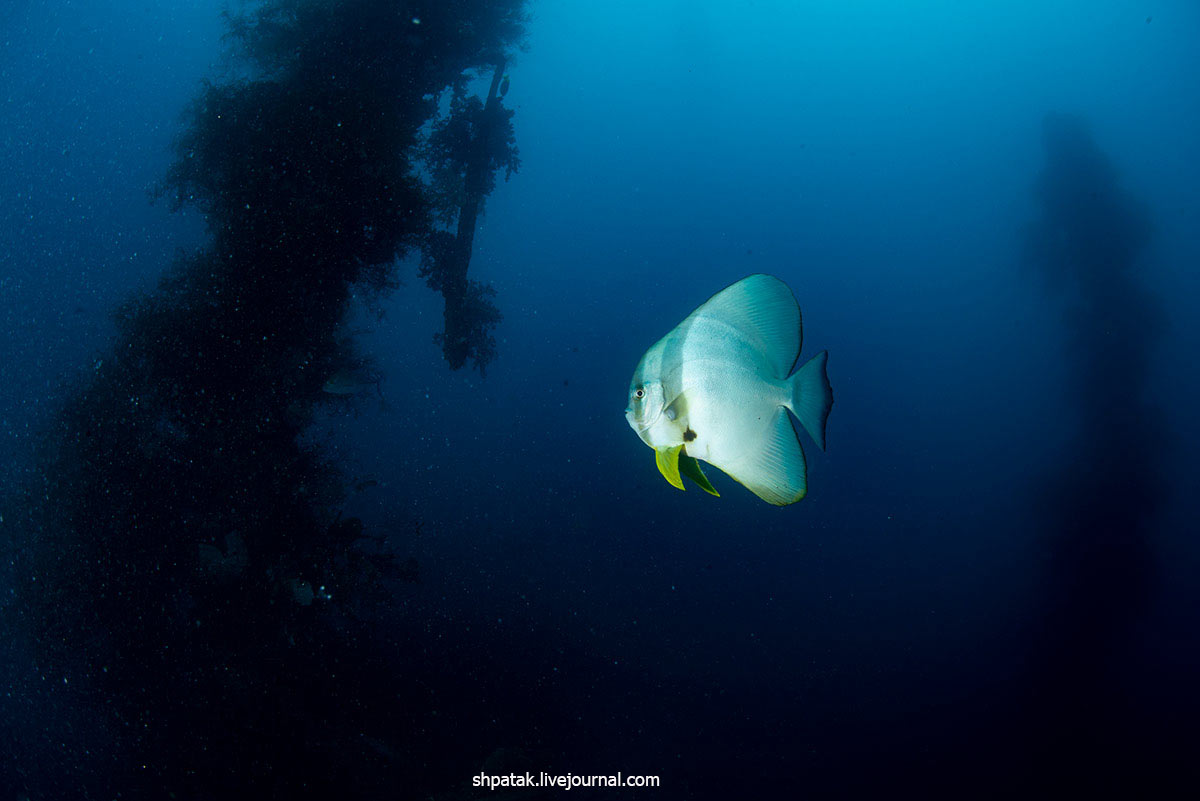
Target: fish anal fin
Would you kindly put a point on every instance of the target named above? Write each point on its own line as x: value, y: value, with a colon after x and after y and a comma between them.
x: 774, y: 469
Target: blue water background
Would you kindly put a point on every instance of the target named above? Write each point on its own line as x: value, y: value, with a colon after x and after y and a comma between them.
x: 880, y: 157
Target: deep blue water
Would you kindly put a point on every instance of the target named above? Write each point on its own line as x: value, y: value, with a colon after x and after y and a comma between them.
x: 929, y: 620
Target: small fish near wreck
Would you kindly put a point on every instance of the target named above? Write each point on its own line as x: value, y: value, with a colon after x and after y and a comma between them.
x: 718, y: 389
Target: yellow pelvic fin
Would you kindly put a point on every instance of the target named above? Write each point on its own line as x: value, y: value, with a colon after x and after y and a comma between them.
x: 667, y: 460
x: 691, y: 468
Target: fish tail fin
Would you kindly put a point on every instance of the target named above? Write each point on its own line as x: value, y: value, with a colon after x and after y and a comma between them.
x: 812, y: 397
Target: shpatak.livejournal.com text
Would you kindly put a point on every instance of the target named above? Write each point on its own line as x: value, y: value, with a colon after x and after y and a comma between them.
x: 565, y: 781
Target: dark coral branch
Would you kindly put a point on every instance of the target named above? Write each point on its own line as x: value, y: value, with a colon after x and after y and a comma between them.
x: 186, y: 556
x: 464, y: 152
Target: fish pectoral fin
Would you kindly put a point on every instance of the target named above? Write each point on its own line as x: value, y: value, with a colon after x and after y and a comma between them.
x: 667, y: 460
x: 690, y: 467
x: 677, y: 408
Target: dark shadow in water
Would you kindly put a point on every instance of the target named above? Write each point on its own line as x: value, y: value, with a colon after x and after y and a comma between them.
x: 203, y: 617
x: 1099, y: 508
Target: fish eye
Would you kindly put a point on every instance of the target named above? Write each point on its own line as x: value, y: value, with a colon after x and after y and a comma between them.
x: 639, y: 393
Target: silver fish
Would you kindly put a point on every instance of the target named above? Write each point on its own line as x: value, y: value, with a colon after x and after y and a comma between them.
x: 718, y: 388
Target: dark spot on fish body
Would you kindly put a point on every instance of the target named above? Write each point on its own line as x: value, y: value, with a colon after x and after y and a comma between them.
x: 689, y: 435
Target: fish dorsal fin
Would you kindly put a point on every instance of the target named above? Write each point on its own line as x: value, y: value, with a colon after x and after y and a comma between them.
x: 763, y: 310
x: 773, y: 467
